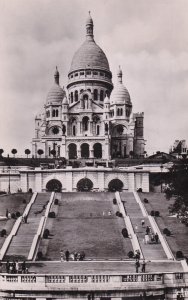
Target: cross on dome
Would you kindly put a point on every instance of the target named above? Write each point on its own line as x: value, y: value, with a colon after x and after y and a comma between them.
x: 56, y: 76
x: 89, y: 27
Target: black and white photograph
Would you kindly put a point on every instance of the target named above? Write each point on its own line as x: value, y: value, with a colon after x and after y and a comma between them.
x: 94, y: 150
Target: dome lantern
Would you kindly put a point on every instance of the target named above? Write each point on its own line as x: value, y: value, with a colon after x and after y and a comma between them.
x: 56, y: 76
x: 89, y: 28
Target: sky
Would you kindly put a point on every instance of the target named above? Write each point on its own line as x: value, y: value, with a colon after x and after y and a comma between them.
x: 148, y: 38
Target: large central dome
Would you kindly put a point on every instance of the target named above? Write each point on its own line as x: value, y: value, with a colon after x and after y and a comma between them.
x: 89, y: 55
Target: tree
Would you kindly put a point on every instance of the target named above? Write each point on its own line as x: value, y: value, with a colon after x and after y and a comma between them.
x: 131, y: 153
x: 40, y: 152
x: 14, y: 151
x: 53, y: 152
x: 27, y: 152
x: 1, y: 152
x: 178, y: 188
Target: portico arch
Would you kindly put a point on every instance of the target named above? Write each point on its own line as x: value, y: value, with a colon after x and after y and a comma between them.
x: 54, y: 185
x: 72, y: 148
x: 84, y: 150
x: 97, y: 150
x: 84, y: 185
x: 115, y: 185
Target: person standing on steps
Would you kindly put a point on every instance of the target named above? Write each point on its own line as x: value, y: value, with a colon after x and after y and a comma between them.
x: 143, y: 266
x: 137, y: 265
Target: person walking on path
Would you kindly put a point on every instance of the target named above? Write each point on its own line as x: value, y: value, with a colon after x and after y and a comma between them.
x: 144, y: 266
x: 142, y: 222
x: 156, y: 238
x: 137, y: 265
x: 67, y: 255
x: 147, y: 230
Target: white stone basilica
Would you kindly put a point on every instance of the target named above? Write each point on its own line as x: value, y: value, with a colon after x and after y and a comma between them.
x: 94, y: 120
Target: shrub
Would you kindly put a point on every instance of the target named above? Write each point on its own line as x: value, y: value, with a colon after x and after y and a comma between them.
x: 3, y: 232
x: 51, y: 214
x: 125, y: 233
x: 157, y: 213
x: 56, y: 202
x: 30, y: 191
x: 24, y: 201
x: 39, y: 255
x: 165, y: 230
x: 13, y: 216
x: 179, y: 254
x: 152, y: 213
x: 146, y: 200
x: 46, y: 233
x: 130, y: 254
x: 114, y: 201
x: 117, y: 213
x: 139, y: 190
x: 120, y: 215
x: 18, y: 214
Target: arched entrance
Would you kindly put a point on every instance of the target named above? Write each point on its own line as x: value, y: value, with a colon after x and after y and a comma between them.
x: 72, y: 151
x: 54, y: 185
x: 84, y: 150
x: 97, y: 150
x: 84, y: 185
x: 115, y: 185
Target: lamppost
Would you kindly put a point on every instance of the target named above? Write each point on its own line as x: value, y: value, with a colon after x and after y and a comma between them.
x: 161, y: 167
x: 9, y: 168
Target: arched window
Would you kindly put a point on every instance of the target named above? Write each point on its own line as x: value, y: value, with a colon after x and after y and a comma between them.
x: 101, y: 95
x: 85, y: 123
x: 98, y: 129
x: 53, y: 113
x: 76, y: 96
x: 121, y: 111
x: 48, y: 114
x: 71, y: 97
x: 118, y: 112
x: 95, y: 94
x: 74, y: 130
x: 56, y: 113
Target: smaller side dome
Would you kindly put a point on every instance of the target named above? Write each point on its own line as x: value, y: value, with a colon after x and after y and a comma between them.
x: 120, y: 94
x: 56, y: 93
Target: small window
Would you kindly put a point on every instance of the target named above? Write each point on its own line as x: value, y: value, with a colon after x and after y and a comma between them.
x: 81, y: 73
x: 76, y: 74
x: 76, y: 96
x: 98, y: 129
x: 71, y: 76
x: 71, y: 97
x: 95, y: 73
x: 53, y: 113
x: 101, y: 95
x: 101, y: 74
x: 95, y: 94
x: 88, y: 73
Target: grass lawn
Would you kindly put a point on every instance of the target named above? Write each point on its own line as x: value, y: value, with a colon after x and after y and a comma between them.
x: 178, y: 240
x: 81, y: 226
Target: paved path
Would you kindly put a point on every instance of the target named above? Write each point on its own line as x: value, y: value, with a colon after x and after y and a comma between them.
x: 150, y: 251
x: 21, y: 243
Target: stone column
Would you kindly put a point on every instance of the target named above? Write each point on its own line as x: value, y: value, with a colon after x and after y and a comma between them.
x: 131, y: 182
x: 23, y: 182
x: 63, y: 148
x: 38, y: 182
x: 145, y: 182
x: 69, y: 181
x: 100, y: 179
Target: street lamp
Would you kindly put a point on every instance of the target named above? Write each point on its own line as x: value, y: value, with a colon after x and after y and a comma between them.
x: 9, y: 168
x: 161, y: 167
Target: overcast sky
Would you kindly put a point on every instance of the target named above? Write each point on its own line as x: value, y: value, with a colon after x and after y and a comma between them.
x: 148, y: 38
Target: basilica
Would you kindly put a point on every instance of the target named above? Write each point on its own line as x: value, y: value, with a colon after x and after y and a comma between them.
x: 92, y: 118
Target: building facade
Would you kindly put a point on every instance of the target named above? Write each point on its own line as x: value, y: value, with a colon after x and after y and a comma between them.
x: 92, y: 119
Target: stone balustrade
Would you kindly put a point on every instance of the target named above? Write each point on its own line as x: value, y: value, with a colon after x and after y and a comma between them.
x: 91, y: 282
